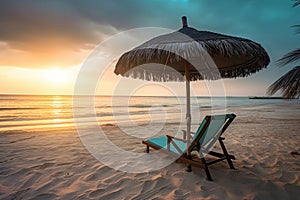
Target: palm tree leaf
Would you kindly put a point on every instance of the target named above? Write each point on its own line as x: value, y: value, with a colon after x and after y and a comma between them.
x: 289, y: 84
x: 297, y: 2
x: 290, y: 57
x: 297, y: 27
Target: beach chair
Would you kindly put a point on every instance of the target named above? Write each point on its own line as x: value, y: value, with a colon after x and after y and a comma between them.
x: 202, y: 141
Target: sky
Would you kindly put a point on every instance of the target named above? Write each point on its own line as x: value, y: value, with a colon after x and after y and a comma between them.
x: 44, y: 44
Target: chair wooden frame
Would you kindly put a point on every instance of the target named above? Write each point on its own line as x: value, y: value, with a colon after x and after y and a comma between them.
x: 196, y: 146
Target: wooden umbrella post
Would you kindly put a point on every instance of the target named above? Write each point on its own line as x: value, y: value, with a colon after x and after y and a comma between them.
x: 188, y: 103
x: 188, y: 114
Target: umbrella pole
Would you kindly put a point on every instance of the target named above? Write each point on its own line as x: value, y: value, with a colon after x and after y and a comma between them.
x: 188, y: 114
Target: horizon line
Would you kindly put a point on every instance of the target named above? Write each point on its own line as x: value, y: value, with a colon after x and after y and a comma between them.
x: 107, y: 95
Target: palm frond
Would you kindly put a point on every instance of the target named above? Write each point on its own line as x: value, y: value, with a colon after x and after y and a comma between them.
x: 290, y: 57
x: 297, y: 27
x: 289, y: 84
x: 297, y: 2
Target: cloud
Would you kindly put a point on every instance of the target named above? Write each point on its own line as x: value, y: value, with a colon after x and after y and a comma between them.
x: 62, y: 32
x: 45, y: 33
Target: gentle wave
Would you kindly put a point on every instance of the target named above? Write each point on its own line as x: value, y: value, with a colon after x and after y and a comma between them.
x: 16, y: 108
x: 40, y: 111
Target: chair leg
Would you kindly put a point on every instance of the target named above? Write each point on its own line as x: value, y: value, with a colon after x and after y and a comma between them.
x: 226, y: 154
x: 188, y: 168
x: 147, y: 149
x: 208, y: 176
x: 206, y: 169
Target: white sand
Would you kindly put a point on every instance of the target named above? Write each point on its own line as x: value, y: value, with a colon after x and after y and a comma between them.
x: 55, y: 165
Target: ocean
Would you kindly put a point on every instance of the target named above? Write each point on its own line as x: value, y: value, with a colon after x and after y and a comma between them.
x: 21, y: 112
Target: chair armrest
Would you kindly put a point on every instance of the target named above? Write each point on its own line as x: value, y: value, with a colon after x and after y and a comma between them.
x: 171, y: 142
x: 184, y: 134
x: 175, y: 138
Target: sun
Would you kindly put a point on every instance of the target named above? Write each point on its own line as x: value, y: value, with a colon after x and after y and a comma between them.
x: 57, y: 75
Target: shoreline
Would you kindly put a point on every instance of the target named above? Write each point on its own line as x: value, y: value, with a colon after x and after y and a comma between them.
x: 268, y: 98
x: 28, y: 124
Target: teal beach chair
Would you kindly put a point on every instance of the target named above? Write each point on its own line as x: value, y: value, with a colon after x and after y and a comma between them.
x: 208, y: 133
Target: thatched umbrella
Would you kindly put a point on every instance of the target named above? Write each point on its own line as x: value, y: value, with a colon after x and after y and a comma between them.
x: 234, y: 57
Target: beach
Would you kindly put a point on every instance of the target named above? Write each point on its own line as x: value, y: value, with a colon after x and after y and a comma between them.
x: 53, y: 163
x: 126, y: 100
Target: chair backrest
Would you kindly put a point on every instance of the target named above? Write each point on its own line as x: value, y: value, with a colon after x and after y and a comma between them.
x: 212, y: 127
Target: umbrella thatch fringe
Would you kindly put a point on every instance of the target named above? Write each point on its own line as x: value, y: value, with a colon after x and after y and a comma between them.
x: 143, y: 74
x: 166, y: 53
x: 160, y: 76
x: 149, y: 75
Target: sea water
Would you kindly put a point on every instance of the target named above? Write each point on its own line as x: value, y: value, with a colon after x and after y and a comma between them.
x: 21, y: 112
